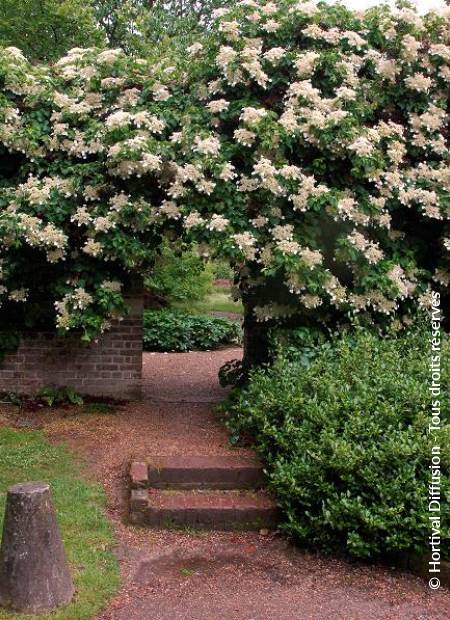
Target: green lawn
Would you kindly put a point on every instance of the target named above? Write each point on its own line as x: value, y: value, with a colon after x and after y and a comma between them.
x: 219, y: 300
x: 87, y: 535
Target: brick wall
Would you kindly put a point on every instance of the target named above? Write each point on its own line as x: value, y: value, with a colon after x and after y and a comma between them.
x: 110, y: 366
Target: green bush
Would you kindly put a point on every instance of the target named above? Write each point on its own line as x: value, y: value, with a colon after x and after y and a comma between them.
x: 344, y: 437
x: 181, y: 276
x: 166, y: 330
x: 222, y: 270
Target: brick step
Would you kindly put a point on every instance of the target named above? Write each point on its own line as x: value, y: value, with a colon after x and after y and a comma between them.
x: 193, y: 472
x: 203, y: 509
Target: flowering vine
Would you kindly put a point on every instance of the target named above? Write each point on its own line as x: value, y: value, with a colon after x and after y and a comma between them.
x: 304, y: 142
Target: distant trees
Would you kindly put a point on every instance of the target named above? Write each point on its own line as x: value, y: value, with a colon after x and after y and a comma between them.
x: 46, y: 29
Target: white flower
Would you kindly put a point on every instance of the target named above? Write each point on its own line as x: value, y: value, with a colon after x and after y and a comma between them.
x: 259, y: 222
x: 109, y: 56
x: 93, y: 248
x: 112, y: 82
x: 151, y: 122
x: 426, y: 300
x: 225, y: 56
x: 306, y: 8
x: 439, y: 49
x: 310, y: 301
x: 418, y: 82
x: 176, y: 137
x: 80, y: 298
x: 151, y: 162
x: 112, y: 285
x: 15, y: 52
x: 103, y: 224
x: 119, y: 201
x: 410, y: 16
x: 387, y: 68
x: 194, y: 49
x: 311, y: 257
x: 218, y: 13
x: 231, y: 29
x: 19, y: 294
x: 370, y: 250
x: 288, y: 120
x: 354, y: 39
x: 218, y: 105
x: 206, y: 146
x: 343, y: 92
x: 228, y: 172
x: 270, y: 8
x: 118, y: 119
x: 274, y: 54
x: 244, y: 239
x: 361, y: 146
x: 170, y: 209
x: 282, y: 233
x: 244, y: 136
x: 411, y: 47
x: 305, y: 63
x: 193, y: 219
x: 81, y: 216
x: 252, y: 116
x: 218, y: 222
x: 161, y: 92
x: 271, y: 25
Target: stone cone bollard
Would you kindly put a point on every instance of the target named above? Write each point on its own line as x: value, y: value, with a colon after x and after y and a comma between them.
x: 34, y: 574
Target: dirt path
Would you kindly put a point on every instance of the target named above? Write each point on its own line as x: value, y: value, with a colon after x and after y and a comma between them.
x: 173, y: 575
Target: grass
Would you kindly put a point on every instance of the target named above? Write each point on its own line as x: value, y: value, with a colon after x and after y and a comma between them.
x: 219, y: 300
x: 86, y: 533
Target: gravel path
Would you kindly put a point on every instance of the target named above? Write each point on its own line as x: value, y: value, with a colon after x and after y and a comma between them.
x: 174, y: 575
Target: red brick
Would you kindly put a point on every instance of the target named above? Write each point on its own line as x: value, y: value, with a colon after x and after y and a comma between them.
x: 222, y: 510
x: 138, y: 500
x: 138, y: 474
x: 212, y: 472
x: 109, y: 366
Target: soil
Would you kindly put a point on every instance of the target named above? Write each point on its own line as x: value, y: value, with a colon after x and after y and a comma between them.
x: 182, y: 575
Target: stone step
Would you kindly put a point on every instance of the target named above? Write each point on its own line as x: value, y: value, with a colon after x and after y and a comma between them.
x: 203, y: 509
x: 206, y: 472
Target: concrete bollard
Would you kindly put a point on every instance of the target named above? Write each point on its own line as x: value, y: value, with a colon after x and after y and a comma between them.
x: 34, y: 573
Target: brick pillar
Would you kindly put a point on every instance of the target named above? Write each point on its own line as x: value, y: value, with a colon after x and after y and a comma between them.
x: 110, y: 366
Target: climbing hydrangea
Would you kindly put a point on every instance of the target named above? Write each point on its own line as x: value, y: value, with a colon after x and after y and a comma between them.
x: 304, y: 142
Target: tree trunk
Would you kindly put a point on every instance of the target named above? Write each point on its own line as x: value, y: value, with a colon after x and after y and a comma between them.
x: 256, y: 341
x: 34, y: 574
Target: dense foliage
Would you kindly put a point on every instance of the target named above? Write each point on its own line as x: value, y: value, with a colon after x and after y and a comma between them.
x: 345, y: 439
x: 48, y: 29
x: 304, y: 143
x: 180, y: 275
x: 171, y: 330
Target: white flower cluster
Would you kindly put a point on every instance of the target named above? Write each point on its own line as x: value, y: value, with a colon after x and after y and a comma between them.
x: 319, y: 158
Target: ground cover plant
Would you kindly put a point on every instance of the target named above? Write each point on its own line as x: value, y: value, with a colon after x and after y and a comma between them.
x: 174, y: 330
x: 80, y: 506
x: 303, y: 143
x: 344, y: 435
